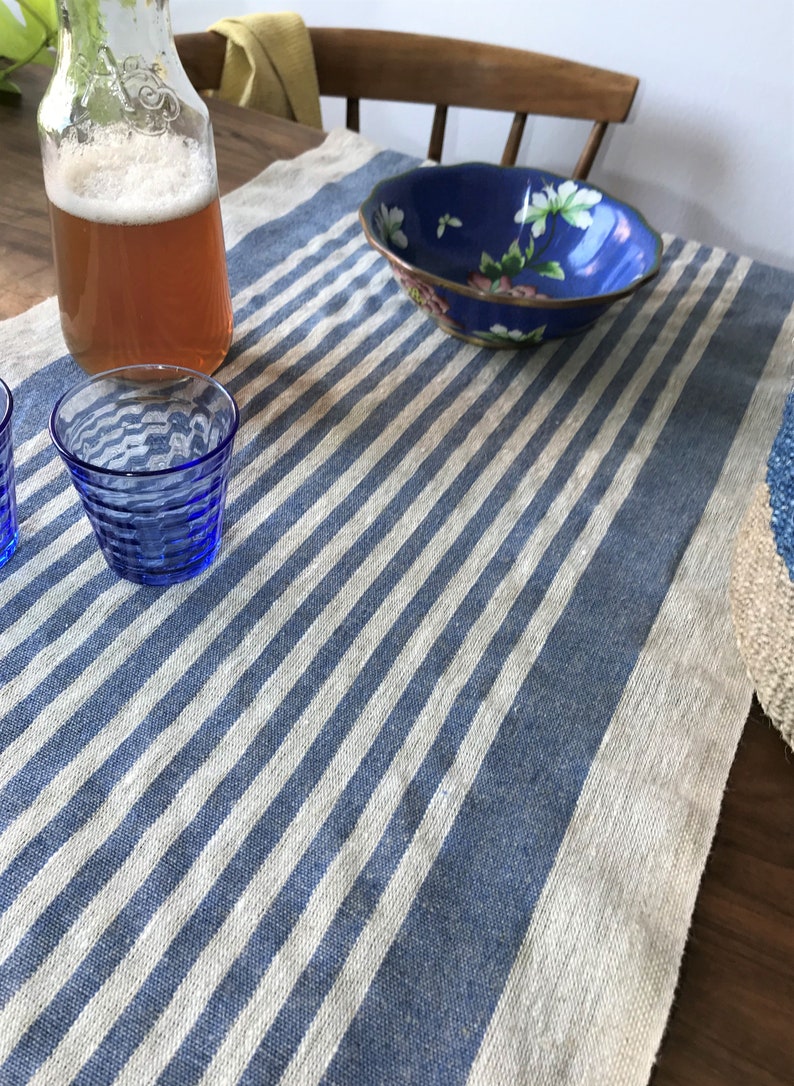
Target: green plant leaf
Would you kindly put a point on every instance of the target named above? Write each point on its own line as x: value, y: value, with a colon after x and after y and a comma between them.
x: 46, y: 10
x: 28, y: 41
x: 550, y: 268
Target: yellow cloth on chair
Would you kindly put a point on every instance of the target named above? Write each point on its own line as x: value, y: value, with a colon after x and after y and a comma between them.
x: 269, y: 66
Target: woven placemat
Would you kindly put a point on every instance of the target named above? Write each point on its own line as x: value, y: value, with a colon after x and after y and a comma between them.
x: 762, y: 606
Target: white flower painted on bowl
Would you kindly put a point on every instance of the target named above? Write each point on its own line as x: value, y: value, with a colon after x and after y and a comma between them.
x: 389, y: 221
x: 569, y: 201
x: 445, y: 221
x: 498, y: 333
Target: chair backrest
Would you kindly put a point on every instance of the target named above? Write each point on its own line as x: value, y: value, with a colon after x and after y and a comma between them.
x: 392, y: 66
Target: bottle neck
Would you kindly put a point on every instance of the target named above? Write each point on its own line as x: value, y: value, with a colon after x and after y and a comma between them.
x: 117, y: 63
x: 89, y: 28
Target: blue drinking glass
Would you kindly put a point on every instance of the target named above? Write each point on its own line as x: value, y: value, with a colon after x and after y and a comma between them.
x: 9, y: 530
x: 148, y: 449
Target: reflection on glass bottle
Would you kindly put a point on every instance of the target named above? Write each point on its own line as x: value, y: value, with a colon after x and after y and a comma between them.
x: 130, y: 173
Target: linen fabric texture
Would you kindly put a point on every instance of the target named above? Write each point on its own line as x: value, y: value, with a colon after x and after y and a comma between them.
x: 417, y: 782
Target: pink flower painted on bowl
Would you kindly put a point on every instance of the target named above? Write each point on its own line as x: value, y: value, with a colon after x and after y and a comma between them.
x: 427, y: 298
x: 422, y: 294
x: 503, y: 285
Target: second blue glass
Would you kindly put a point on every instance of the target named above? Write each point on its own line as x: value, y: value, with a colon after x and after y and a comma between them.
x: 9, y: 531
x: 148, y: 449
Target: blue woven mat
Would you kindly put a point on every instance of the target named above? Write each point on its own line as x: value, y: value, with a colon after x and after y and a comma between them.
x: 780, y: 478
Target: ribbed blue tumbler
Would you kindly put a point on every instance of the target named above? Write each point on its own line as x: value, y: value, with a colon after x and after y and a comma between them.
x: 149, y: 451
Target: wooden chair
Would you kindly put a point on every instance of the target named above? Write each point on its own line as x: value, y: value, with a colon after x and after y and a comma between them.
x: 391, y: 66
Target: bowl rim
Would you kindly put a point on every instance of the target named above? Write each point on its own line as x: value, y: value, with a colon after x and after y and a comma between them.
x: 508, y: 299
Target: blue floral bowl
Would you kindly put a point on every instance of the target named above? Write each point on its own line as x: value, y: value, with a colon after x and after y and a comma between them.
x: 506, y: 256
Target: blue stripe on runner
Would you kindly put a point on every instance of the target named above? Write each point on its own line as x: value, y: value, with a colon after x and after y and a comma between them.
x: 35, y: 397
x: 530, y: 780
x: 341, y: 407
x: 32, y: 464
x: 68, y: 617
x: 272, y: 347
x: 270, y: 305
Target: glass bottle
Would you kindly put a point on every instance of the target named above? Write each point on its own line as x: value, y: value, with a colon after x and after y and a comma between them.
x: 131, y: 180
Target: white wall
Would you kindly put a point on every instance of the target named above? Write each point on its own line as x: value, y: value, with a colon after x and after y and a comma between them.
x: 709, y: 150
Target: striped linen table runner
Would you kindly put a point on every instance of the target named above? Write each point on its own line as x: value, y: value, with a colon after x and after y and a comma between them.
x: 417, y: 783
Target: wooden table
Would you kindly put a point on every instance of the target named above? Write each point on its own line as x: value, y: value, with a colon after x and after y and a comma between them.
x: 731, y: 1023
